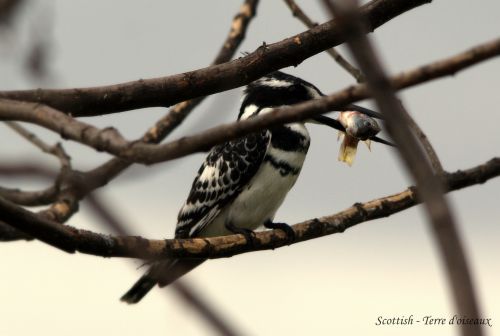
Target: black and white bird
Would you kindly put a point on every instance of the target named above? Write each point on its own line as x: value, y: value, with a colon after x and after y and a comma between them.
x: 243, y: 182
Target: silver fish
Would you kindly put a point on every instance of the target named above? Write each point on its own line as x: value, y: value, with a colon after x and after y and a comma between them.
x: 358, y: 126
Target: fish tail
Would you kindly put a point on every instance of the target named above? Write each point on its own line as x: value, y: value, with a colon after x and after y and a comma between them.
x: 348, y: 149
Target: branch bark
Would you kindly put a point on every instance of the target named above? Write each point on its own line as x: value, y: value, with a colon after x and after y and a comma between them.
x: 165, y: 91
x: 71, y: 239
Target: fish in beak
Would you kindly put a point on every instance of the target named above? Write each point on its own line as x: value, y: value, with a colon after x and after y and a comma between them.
x: 358, y: 127
x: 354, y: 124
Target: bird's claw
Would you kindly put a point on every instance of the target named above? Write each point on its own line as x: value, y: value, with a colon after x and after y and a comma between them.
x: 247, y: 233
x: 249, y: 237
x: 290, y: 233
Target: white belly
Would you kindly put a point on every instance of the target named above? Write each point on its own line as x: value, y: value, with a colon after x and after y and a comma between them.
x: 260, y: 200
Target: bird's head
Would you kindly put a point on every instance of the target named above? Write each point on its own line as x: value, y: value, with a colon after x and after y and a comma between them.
x: 274, y: 90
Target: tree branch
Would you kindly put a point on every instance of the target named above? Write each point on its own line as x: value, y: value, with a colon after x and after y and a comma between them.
x: 71, y: 239
x: 165, y: 91
x: 429, y: 185
x: 111, y: 141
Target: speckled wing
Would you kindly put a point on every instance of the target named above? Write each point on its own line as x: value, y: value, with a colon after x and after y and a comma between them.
x: 226, y: 170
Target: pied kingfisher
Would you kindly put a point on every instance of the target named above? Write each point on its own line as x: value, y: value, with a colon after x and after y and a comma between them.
x: 243, y: 182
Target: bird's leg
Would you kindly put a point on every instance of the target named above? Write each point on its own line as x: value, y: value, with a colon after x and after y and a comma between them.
x: 290, y: 234
x: 249, y: 234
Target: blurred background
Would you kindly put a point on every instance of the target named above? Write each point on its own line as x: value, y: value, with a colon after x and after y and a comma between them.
x: 338, y: 284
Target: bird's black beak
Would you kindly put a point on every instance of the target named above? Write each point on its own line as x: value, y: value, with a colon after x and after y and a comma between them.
x: 330, y: 122
x: 364, y: 110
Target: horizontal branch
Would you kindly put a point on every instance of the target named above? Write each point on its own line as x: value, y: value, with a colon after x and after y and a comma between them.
x: 111, y: 141
x: 166, y: 91
x: 71, y: 239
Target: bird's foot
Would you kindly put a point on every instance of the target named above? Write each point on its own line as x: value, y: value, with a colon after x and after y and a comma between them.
x: 290, y: 234
x: 247, y: 233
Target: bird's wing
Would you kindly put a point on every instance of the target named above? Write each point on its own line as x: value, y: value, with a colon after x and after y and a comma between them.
x: 227, y: 168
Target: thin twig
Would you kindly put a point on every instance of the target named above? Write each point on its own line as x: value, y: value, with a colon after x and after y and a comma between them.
x: 57, y: 150
x: 429, y: 185
x: 71, y: 239
x: 302, y: 16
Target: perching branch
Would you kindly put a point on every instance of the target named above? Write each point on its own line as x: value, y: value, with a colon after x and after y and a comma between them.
x: 165, y: 91
x: 71, y: 239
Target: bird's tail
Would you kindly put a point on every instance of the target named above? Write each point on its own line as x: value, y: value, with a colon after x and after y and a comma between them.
x: 162, y: 273
x: 139, y: 289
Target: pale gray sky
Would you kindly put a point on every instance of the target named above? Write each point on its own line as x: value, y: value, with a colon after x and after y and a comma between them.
x: 334, y: 285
